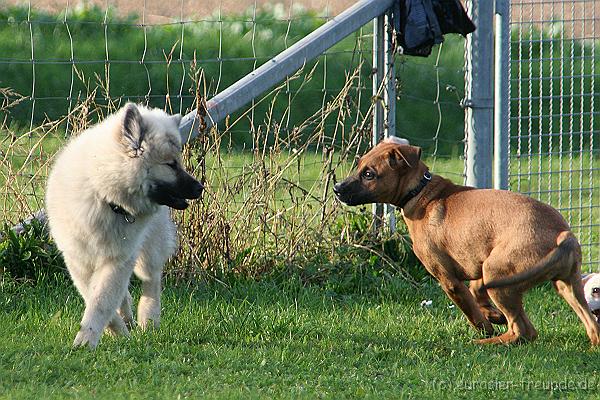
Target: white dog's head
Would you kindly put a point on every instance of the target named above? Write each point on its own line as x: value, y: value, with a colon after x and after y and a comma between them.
x: 150, y: 157
x: 591, y: 288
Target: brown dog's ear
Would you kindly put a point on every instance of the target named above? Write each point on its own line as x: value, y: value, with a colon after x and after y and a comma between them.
x: 409, y: 154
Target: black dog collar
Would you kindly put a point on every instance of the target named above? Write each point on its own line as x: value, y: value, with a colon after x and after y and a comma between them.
x: 120, y: 210
x: 408, y: 196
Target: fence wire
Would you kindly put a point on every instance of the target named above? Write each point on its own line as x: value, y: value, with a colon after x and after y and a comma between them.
x: 554, y: 116
x: 268, y: 168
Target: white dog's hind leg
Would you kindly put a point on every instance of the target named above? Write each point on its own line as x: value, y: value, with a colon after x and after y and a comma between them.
x: 106, y: 291
x: 122, y: 321
x: 125, y: 311
x: 117, y: 327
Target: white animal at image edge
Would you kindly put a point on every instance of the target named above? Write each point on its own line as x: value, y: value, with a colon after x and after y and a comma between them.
x: 591, y: 289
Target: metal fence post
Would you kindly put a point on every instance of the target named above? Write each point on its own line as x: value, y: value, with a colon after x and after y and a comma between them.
x: 389, y: 100
x: 384, y: 96
x: 501, y: 93
x: 478, y: 101
x: 378, y: 98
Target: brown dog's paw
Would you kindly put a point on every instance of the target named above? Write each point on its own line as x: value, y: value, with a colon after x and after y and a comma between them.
x: 491, y: 340
x: 486, y: 329
x: 494, y: 315
x: 506, y: 339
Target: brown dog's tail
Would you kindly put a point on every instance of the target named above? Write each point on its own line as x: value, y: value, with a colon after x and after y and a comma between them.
x: 548, y: 267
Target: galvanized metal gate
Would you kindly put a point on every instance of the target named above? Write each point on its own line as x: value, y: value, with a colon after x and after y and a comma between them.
x: 554, y: 123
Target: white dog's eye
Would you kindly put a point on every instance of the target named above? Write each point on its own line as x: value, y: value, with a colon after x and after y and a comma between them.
x: 172, y: 165
x: 595, y: 290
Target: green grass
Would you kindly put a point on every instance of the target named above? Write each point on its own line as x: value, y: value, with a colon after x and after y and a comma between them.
x: 281, y: 339
x: 337, y: 323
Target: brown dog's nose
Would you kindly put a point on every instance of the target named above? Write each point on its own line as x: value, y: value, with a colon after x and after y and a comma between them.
x: 337, y: 188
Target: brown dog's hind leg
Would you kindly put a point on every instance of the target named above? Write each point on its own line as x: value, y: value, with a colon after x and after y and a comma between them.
x: 485, y: 304
x: 462, y: 297
x: 519, y: 328
x: 571, y: 290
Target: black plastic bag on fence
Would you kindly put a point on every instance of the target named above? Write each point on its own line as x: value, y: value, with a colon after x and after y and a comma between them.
x: 452, y: 17
x: 421, y: 24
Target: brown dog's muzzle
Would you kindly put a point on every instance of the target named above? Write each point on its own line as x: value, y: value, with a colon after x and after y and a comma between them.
x: 351, y: 192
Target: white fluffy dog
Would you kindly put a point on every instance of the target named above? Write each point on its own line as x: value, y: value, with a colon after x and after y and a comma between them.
x: 107, y: 201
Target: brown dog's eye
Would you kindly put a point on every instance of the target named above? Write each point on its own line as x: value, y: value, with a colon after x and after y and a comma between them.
x: 368, y: 175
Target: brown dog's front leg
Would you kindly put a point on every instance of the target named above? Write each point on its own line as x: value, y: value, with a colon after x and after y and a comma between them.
x: 462, y: 297
x: 485, y: 303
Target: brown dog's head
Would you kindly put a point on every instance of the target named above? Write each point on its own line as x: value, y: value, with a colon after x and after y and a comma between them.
x: 382, y: 175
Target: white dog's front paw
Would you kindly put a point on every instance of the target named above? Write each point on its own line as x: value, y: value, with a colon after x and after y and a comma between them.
x: 86, y: 337
x: 148, y: 313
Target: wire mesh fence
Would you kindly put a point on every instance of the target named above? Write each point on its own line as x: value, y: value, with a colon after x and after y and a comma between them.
x: 268, y: 168
x: 554, y: 121
x: 65, y: 65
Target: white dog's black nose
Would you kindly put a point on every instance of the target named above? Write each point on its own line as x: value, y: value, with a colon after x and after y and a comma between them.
x: 197, y: 190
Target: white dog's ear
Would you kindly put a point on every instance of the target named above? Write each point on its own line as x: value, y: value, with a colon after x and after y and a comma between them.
x: 176, y: 119
x: 132, y: 132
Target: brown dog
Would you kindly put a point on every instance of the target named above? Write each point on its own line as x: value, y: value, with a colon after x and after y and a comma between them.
x: 503, y: 242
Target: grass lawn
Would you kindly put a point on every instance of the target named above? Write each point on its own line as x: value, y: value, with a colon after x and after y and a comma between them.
x: 279, y: 339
